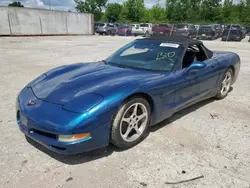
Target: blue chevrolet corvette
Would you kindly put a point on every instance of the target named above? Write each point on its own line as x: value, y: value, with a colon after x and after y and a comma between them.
x: 80, y: 107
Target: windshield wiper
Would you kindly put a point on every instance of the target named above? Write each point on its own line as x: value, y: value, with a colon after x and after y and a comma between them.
x: 121, y: 66
x: 105, y: 62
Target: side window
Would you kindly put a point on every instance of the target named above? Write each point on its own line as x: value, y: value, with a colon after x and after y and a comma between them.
x: 191, y: 26
x: 194, y: 53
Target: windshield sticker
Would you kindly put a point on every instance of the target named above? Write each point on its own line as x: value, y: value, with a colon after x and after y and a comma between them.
x: 171, y: 45
x: 162, y: 55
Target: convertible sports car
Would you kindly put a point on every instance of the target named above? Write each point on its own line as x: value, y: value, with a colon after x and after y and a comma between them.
x: 80, y: 107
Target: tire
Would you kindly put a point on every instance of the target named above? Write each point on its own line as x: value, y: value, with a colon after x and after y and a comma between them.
x: 221, y: 94
x: 109, y: 33
x: 126, y: 122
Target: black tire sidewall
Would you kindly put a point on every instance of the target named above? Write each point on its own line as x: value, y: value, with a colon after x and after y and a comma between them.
x: 115, y: 136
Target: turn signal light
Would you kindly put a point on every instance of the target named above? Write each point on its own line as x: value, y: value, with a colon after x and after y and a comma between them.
x: 73, y: 138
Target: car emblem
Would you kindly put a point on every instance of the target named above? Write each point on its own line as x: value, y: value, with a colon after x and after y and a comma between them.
x: 31, y: 102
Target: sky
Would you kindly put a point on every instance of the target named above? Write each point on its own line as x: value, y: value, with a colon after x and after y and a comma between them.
x: 69, y: 4
x: 66, y: 4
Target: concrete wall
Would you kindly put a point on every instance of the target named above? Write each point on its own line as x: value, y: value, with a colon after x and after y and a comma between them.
x: 26, y: 21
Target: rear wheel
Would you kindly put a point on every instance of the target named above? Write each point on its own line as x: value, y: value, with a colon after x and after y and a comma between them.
x: 109, y: 33
x: 225, y: 85
x: 130, y: 123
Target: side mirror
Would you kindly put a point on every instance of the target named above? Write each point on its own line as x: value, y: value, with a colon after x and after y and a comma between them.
x: 195, y: 66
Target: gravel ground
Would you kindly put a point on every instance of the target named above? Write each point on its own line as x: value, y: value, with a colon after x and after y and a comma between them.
x: 189, y: 144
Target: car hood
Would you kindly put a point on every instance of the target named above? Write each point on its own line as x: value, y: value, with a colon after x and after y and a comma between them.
x: 89, y: 80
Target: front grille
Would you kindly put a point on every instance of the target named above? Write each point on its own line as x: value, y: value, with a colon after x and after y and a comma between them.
x: 49, y: 135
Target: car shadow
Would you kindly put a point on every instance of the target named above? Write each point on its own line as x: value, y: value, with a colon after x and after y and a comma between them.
x: 105, y: 152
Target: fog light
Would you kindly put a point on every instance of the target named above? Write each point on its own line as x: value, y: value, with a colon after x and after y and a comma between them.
x: 73, y: 138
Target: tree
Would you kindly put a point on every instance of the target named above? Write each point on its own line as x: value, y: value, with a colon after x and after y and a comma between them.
x: 158, y: 14
x: 16, y: 4
x: 133, y: 10
x: 91, y: 6
x: 210, y: 10
x: 113, y: 11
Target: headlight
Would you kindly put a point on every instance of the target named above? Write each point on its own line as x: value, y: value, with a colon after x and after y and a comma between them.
x: 75, y: 137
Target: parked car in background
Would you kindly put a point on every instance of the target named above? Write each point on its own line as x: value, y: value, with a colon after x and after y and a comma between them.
x: 124, y: 30
x: 219, y: 30
x: 162, y: 29
x: 207, y: 32
x: 187, y: 30
x: 244, y: 31
x: 96, y: 25
x: 106, y: 29
x: 247, y: 30
x: 142, y: 29
x: 233, y: 32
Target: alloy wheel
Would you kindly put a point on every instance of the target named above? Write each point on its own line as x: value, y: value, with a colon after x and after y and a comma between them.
x: 226, y: 83
x: 133, y: 122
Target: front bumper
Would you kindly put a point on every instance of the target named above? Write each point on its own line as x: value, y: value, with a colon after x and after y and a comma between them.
x: 160, y: 33
x: 138, y: 33
x: 181, y: 34
x: 231, y: 38
x: 205, y: 36
x: 44, y: 122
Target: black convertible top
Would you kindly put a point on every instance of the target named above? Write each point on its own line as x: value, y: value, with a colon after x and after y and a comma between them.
x: 180, y: 40
x: 177, y: 39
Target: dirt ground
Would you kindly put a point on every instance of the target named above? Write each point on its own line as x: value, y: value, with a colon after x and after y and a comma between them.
x: 189, y: 144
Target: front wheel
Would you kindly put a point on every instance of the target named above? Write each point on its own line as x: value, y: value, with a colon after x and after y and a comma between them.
x: 130, y: 123
x: 109, y: 32
x: 225, y: 85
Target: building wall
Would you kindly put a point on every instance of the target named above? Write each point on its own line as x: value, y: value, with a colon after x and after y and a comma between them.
x: 26, y: 21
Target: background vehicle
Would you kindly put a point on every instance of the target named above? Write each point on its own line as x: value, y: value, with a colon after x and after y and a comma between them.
x: 96, y: 25
x: 162, y: 29
x: 244, y: 31
x: 187, y: 30
x: 233, y: 32
x: 207, y: 32
x: 247, y: 30
x: 106, y: 29
x: 219, y: 30
x: 142, y: 29
x: 124, y: 30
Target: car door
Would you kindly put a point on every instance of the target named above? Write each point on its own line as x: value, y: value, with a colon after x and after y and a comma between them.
x: 197, y: 84
x: 113, y: 29
x: 185, y: 89
x: 205, y: 79
x: 192, y: 30
x: 185, y: 86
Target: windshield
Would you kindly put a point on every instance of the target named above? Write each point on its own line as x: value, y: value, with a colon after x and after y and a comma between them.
x: 206, y: 27
x: 143, y: 25
x: 151, y: 55
x: 163, y: 25
x: 123, y: 26
x: 233, y: 27
x: 101, y: 25
x: 181, y: 26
